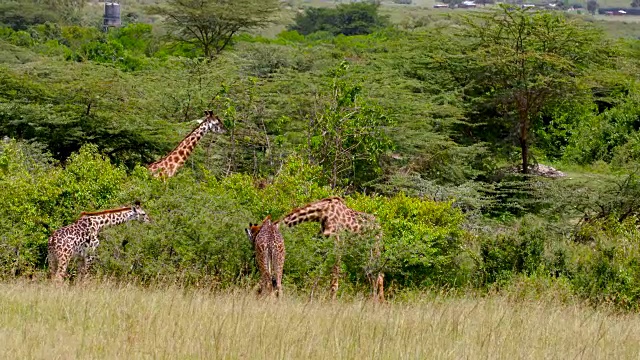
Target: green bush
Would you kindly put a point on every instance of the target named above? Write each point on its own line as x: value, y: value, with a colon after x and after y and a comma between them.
x: 608, y: 270
x: 506, y: 254
x: 422, y: 240
x: 346, y: 19
x: 19, y: 15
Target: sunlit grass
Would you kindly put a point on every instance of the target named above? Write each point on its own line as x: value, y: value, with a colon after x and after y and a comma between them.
x: 39, y: 320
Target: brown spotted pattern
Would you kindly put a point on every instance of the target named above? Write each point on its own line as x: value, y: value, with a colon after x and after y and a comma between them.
x: 268, y: 244
x: 80, y: 239
x: 169, y: 165
x: 335, y: 216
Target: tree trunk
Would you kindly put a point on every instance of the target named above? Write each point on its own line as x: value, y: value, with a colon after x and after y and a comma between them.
x: 524, y: 143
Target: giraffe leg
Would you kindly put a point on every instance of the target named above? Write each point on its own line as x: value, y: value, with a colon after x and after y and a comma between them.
x: 53, y: 264
x: 335, y: 277
x: 265, y: 274
x: 377, y: 286
x: 61, y: 268
x: 277, y: 280
x: 265, y: 284
x: 83, y: 272
x: 335, y: 272
x: 380, y: 287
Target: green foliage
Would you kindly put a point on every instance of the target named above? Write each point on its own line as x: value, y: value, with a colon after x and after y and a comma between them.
x: 421, y: 241
x: 347, y: 19
x: 513, y: 64
x: 197, y: 230
x: 81, y: 106
x: 426, y: 118
x: 19, y: 15
x: 608, y: 272
x: 39, y: 197
x: 211, y: 24
x: 504, y: 255
x: 610, y: 136
x: 347, y: 138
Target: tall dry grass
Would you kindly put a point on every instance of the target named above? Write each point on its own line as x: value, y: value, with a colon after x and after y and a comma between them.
x: 40, y: 320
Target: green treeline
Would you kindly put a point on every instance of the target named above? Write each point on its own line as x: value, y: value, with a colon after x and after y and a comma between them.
x: 426, y: 125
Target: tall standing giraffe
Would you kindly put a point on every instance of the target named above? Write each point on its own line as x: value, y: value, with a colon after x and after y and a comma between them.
x: 80, y: 239
x: 168, y: 165
x: 269, y: 247
x: 335, y: 216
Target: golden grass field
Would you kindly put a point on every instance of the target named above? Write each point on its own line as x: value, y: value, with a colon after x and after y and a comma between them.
x: 106, y: 321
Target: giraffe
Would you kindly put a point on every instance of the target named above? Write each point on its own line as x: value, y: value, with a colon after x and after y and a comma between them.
x: 168, y: 165
x: 334, y: 216
x: 269, y: 247
x: 80, y: 239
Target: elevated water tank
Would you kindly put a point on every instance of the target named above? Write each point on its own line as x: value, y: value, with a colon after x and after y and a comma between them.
x: 111, y: 14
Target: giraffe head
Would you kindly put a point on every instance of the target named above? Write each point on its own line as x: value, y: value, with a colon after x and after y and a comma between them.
x: 138, y: 213
x: 211, y: 122
x: 253, y: 229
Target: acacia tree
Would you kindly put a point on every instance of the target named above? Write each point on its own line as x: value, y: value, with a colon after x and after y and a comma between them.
x: 347, y: 136
x: 516, y: 62
x: 211, y: 24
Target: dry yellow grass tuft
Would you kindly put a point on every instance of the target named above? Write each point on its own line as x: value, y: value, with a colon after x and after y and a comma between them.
x: 128, y: 322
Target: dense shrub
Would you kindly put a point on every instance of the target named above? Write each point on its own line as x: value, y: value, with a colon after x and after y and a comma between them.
x: 346, y: 19
x: 608, y: 270
x: 19, y: 15
x: 504, y: 255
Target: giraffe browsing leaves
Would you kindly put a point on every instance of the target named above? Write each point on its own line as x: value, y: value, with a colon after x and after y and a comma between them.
x: 335, y: 216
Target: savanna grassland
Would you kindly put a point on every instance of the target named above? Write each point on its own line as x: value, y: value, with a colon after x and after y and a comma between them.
x: 498, y: 149
x: 110, y: 321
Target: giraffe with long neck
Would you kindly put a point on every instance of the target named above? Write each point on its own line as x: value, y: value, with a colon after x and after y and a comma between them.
x: 80, y: 239
x: 169, y: 165
x: 335, y: 216
x: 268, y: 245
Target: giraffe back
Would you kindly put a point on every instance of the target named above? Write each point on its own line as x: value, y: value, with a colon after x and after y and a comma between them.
x: 71, y: 239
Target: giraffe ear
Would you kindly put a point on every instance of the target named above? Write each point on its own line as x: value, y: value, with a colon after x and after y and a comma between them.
x: 136, y: 203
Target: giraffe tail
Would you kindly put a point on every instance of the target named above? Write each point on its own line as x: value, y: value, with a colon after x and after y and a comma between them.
x: 274, y: 281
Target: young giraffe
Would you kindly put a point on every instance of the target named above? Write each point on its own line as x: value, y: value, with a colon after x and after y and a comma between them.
x: 269, y: 247
x: 81, y: 238
x: 335, y: 216
x: 168, y: 165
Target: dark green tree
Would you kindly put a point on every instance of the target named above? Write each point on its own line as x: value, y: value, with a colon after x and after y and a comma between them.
x: 346, y: 19
x: 512, y: 63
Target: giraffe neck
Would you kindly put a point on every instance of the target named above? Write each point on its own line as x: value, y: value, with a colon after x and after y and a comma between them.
x: 100, y: 221
x: 188, y: 144
x: 311, y: 212
x: 169, y: 164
